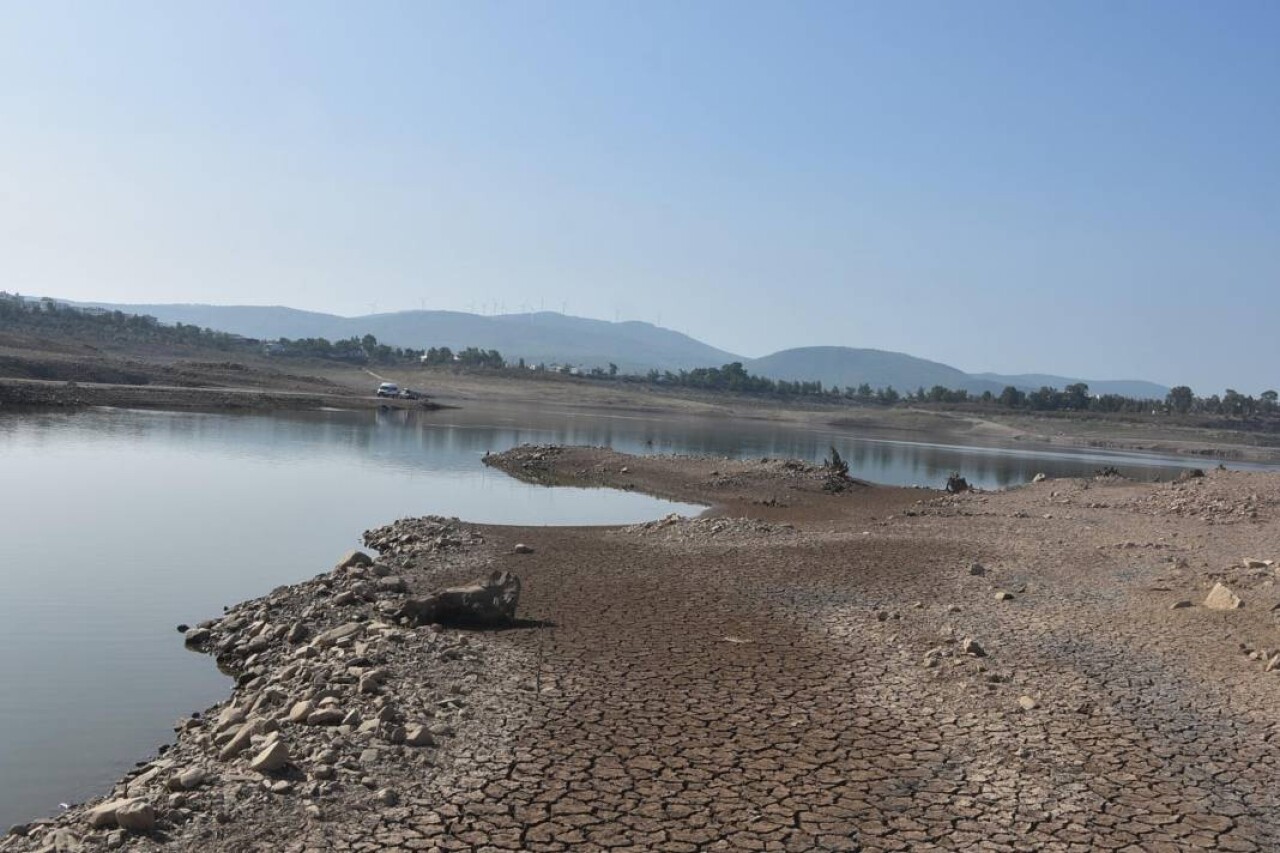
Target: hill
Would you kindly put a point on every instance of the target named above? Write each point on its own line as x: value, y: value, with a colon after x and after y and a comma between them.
x: 846, y: 366
x: 537, y: 338
x: 1136, y: 388
x: 636, y: 347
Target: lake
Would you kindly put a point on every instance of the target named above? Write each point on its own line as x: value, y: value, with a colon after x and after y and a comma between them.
x: 117, y: 525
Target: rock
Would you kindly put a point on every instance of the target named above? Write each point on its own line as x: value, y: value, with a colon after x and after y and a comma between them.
x: 231, y: 715
x: 196, y: 636
x: 1273, y: 664
x: 1180, y: 605
x: 322, y: 772
x: 970, y: 646
x: 488, y: 603
x: 1027, y: 703
x: 281, y: 787
x: 103, y: 815
x: 1222, y: 598
x: 977, y: 569
x: 1250, y: 563
x: 387, y: 797
x: 392, y: 584
x: 63, y: 840
x: 298, y: 632
x: 353, y: 559
x: 300, y: 711
x: 333, y: 635
x: 1040, y: 478
x: 1004, y: 596
x: 136, y: 816
x: 522, y: 548
x: 187, y: 780
x: 271, y: 759
x: 240, y: 741
x: 325, y: 717
x: 344, y: 599
x: 418, y: 736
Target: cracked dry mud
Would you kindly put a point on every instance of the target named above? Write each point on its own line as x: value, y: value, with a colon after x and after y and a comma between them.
x: 800, y: 680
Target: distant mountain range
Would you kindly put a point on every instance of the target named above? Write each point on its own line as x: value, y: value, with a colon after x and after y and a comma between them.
x: 636, y: 347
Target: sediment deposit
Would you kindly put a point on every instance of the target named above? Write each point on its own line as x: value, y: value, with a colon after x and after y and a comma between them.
x: 869, y: 668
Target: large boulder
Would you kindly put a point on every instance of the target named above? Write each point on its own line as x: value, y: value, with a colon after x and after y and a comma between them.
x: 488, y: 603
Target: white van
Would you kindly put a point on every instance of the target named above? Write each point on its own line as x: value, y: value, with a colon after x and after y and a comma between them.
x: 388, y: 389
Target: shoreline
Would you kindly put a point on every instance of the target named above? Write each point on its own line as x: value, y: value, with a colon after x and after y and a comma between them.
x: 657, y: 659
x: 347, y: 390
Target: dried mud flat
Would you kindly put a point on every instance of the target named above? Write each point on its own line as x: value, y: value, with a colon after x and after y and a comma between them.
x: 802, y: 669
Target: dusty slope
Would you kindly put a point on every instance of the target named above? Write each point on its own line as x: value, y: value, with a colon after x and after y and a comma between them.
x: 794, y: 682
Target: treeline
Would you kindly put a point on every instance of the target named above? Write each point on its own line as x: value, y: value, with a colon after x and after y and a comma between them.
x: 50, y: 317
x: 1073, y: 398
x: 469, y: 357
x: 362, y: 350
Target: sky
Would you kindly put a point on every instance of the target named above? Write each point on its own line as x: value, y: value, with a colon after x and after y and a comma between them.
x: 1083, y: 188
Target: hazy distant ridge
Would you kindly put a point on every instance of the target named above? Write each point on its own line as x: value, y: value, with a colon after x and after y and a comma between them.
x: 636, y: 347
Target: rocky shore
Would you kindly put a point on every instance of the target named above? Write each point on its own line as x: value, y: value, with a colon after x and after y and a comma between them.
x: 1073, y: 665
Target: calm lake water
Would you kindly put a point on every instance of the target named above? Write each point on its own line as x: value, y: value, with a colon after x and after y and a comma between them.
x: 118, y: 525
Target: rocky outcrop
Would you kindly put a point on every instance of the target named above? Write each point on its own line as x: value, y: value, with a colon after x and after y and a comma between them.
x: 487, y: 603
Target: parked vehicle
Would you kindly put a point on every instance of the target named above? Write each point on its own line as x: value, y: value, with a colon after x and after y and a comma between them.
x: 388, y: 389
x: 410, y: 394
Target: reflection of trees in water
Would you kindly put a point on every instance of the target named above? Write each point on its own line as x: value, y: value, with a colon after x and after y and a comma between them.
x: 453, y: 441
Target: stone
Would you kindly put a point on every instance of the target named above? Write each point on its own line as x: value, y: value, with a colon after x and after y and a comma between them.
x: 1040, y: 478
x: 522, y: 548
x: 186, y: 780
x: 271, y: 759
x: 136, y: 816
x: 333, y: 635
x: 387, y: 797
x: 1222, y: 598
x: 353, y: 559
x: 1273, y: 664
x: 325, y: 717
x: 299, y: 712
x: 1004, y: 596
x: 490, y: 602
x: 230, y: 716
x: 196, y: 636
x: 418, y: 736
x: 1251, y: 563
x: 1027, y: 703
x: 298, y: 632
x: 240, y: 741
x: 1180, y: 605
x: 322, y: 772
x: 103, y: 815
x: 970, y: 646
x: 392, y: 584
x: 977, y: 569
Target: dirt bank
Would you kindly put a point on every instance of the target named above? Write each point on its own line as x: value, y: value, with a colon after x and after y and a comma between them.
x: 802, y: 669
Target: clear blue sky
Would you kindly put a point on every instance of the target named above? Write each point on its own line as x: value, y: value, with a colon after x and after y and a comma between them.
x: 1085, y: 188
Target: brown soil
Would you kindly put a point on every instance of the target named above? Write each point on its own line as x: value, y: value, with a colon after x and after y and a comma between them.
x: 796, y: 671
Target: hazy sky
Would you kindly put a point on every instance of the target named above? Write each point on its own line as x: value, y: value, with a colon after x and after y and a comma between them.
x: 1082, y: 188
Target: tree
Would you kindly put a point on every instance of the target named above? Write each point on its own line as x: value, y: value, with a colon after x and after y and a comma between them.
x: 613, y: 369
x: 1180, y: 399
x: 1269, y: 399
x: 1076, y: 396
x: 1011, y: 397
